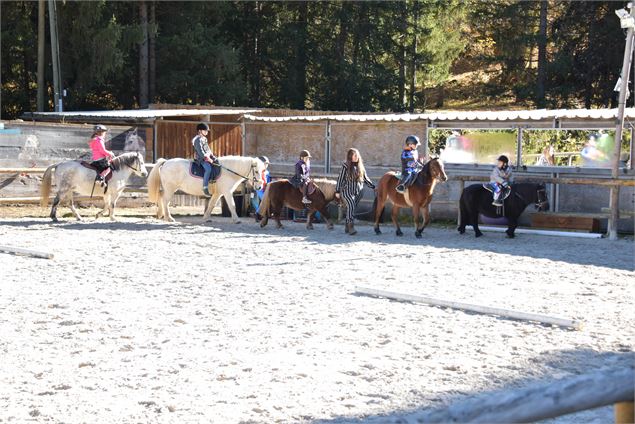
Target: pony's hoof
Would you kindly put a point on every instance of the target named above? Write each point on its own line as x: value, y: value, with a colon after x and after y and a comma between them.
x: 377, y: 231
x: 330, y: 227
x: 309, y: 227
x: 461, y: 230
x: 479, y: 234
x: 512, y: 235
x: 237, y: 221
x: 399, y: 233
x: 280, y: 227
x: 418, y: 234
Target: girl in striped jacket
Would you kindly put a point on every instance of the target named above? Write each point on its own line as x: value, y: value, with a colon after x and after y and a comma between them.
x: 350, y: 184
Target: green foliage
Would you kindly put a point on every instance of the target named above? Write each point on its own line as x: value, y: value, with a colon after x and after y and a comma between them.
x: 352, y: 55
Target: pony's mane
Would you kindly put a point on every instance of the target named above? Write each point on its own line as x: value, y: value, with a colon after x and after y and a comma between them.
x: 128, y: 159
x: 327, y: 187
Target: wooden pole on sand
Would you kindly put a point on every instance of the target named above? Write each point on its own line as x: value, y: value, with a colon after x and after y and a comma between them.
x: 34, y: 253
x: 507, y: 313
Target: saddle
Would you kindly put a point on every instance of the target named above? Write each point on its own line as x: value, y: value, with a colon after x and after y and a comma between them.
x: 98, y: 169
x: 310, y: 189
x: 197, y: 171
x: 506, y: 191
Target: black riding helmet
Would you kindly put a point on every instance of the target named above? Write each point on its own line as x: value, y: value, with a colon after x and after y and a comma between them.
x: 503, y: 159
x: 202, y: 126
x: 413, y: 139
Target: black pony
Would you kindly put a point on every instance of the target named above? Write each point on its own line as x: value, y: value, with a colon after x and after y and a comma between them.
x: 477, y: 199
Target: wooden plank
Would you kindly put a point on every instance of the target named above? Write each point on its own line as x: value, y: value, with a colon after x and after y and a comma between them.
x: 27, y: 252
x: 506, y: 313
x: 566, y: 221
x: 536, y: 402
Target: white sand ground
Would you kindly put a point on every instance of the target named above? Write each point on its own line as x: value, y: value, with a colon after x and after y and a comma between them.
x: 142, y: 321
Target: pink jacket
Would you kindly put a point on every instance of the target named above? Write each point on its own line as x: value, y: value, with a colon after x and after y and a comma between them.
x: 98, y: 146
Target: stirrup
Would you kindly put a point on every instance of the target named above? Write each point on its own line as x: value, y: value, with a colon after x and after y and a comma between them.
x: 305, y: 200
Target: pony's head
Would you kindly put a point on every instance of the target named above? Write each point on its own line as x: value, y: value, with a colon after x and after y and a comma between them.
x: 542, y: 203
x: 132, y: 160
x: 327, y: 187
x: 436, y: 169
x: 258, y: 169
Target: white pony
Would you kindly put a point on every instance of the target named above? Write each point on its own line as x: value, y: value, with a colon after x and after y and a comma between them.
x: 72, y: 177
x: 171, y: 175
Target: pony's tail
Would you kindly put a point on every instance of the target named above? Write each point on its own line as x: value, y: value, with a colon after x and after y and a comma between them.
x: 45, y: 188
x: 154, y: 181
x: 263, y: 210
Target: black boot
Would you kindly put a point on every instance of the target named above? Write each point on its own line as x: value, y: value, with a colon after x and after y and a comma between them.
x: 346, y: 228
x: 351, y: 229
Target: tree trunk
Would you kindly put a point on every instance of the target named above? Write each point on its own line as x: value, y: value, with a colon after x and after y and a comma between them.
x: 413, y: 70
x: 143, y: 55
x: 152, y: 60
x: 301, y: 57
x: 542, y: 56
x: 41, y: 44
x: 402, y: 55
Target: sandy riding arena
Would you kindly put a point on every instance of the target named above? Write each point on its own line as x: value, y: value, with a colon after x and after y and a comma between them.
x: 143, y: 321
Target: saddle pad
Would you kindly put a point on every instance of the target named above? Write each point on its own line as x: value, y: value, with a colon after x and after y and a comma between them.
x: 197, y: 171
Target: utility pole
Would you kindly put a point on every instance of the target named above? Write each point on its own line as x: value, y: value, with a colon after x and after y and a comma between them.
x: 41, y: 43
x: 626, y: 70
x: 55, y: 57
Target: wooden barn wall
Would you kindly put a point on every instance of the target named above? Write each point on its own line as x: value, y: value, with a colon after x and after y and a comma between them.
x: 174, y: 139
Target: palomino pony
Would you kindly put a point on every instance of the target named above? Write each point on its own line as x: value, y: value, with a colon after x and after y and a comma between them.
x: 477, y: 199
x: 171, y: 175
x: 71, y: 176
x: 281, y: 193
x: 417, y: 196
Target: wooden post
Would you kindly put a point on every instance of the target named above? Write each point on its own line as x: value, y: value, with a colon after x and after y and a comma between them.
x: 327, y: 148
x: 624, y: 413
x: 519, y: 148
x: 615, y: 190
x: 461, y: 188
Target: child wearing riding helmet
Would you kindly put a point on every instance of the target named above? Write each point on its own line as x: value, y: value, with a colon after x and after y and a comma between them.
x: 203, y: 154
x: 500, y: 179
x: 410, y: 163
x: 302, y: 175
x: 266, y: 179
x: 100, y: 155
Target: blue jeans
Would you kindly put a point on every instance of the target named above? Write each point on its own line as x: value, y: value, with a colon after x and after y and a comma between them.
x: 208, y: 173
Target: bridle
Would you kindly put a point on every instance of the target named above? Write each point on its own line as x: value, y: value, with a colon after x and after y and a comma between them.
x: 538, y: 203
x: 253, y: 172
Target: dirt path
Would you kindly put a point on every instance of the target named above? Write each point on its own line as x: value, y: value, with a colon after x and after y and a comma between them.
x: 141, y: 321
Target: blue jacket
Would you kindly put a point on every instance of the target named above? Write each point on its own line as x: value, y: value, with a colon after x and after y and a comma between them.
x: 409, y: 161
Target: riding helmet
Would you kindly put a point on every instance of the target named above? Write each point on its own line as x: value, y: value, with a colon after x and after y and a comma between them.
x: 305, y: 154
x: 503, y: 159
x: 202, y: 126
x: 99, y: 128
x: 264, y: 159
x: 413, y: 139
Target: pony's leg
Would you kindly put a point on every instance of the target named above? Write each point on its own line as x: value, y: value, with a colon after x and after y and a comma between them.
x: 327, y: 217
x: 112, y: 204
x: 309, y: 219
x: 232, y: 208
x: 56, y: 202
x: 165, y: 200
x: 425, y: 213
x: 210, y: 206
x: 105, y: 208
x: 276, y: 209
x: 74, y: 210
x: 474, y: 220
x: 513, y: 223
x: 381, y: 202
x: 395, y: 215
x: 160, y: 211
x: 416, y: 211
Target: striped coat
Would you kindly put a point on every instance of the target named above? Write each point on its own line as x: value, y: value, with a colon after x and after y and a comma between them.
x: 350, y: 190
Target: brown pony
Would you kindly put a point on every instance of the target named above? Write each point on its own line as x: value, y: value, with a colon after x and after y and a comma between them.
x: 281, y: 193
x: 417, y: 196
